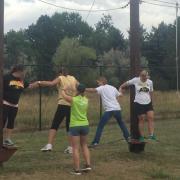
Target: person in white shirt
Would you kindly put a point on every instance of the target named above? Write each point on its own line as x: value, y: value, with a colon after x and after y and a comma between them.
x: 143, y: 102
x: 109, y: 95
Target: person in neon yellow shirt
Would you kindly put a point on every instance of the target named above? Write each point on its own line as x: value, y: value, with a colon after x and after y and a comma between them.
x: 79, y: 128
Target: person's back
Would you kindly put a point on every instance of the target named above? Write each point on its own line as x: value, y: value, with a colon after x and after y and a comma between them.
x: 79, y: 128
x: 66, y: 81
x: 109, y: 96
x: 79, y: 109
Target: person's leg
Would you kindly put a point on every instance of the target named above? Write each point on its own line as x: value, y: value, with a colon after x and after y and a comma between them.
x: 11, y: 119
x: 69, y: 148
x: 141, y: 124
x: 75, y: 147
x: 106, y: 116
x: 58, y: 118
x: 12, y: 112
x: 83, y: 141
x: 85, y: 150
x: 51, y: 136
x: 150, y: 119
x: 5, y: 118
x: 140, y: 111
x: 117, y: 115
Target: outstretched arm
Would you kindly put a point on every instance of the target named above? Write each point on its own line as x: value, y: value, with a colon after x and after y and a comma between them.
x: 124, y: 85
x: 91, y: 90
x: 45, y: 83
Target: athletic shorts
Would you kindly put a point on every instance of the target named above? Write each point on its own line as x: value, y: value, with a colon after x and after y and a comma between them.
x: 141, y: 109
x: 79, y: 131
x: 62, y: 112
x: 9, y: 116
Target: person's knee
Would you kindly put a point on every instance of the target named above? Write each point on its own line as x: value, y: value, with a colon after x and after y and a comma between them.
x: 83, y: 143
x: 55, y: 125
x: 75, y: 146
x: 10, y: 125
x: 53, y: 130
x: 100, y: 126
x: 84, y: 146
x: 150, y: 117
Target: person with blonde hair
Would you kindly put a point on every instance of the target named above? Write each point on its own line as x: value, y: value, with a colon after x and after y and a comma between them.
x: 109, y: 95
x: 143, y: 102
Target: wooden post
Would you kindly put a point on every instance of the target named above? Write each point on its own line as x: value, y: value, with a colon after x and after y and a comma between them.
x: 134, y: 146
x: 1, y: 69
x: 134, y: 59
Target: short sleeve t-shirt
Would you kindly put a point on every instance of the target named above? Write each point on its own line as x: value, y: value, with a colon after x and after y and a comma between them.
x: 12, y: 88
x: 142, y: 90
x: 109, y: 96
x: 66, y: 81
x: 79, y: 110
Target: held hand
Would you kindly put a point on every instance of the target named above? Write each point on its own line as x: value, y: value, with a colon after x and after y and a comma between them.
x: 122, y: 91
x: 121, y: 94
x: 34, y: 85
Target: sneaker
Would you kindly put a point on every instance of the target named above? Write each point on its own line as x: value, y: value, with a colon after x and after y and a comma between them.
x: 76, y: 172
x: 8, y: 142
x: 128, y: 140
x: 68, y: 150
x: 152, y: 137
x: 47, y: 147
x: 93, y: 145
x: 141, y: 139
x: 86, y: 168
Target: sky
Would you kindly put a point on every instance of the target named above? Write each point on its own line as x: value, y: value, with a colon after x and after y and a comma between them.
x: 19, y: 14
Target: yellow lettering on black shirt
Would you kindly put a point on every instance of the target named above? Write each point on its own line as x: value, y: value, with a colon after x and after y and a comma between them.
x: 17, y: 84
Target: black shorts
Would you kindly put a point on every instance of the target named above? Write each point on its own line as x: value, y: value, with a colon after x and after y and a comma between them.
x: 141, y: 109
x: 9, y: 115
x: 62, y: 112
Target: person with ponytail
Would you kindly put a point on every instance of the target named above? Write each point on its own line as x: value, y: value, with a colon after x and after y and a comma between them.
x: 143, y: 103
x: 79, y: 128
x: 63, y: 108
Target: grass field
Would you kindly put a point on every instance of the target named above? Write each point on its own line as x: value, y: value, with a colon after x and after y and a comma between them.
x: 110, y: 161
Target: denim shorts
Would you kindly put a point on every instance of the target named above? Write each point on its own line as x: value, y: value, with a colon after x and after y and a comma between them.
x: 79, y: 131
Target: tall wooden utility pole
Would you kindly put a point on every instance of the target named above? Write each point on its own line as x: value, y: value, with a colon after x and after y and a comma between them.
x: 135, y: 146
x: 1, y: 68
x: 134, y: 59
x: 177, y: 63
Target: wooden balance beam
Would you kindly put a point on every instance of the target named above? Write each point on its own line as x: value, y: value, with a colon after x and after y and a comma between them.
x: 136, y: 147
x: 6, y: 152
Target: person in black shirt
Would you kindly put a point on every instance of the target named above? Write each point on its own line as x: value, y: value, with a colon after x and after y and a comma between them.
x: 13, y: 86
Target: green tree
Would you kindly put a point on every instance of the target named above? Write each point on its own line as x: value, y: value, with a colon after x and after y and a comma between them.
x: 106, y: 36
x: 18, y: 48
x: 71, y: 53
x: 46, y: 34
x: 159, y: 49
x: 117, y: 66
x: 44, y: 41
